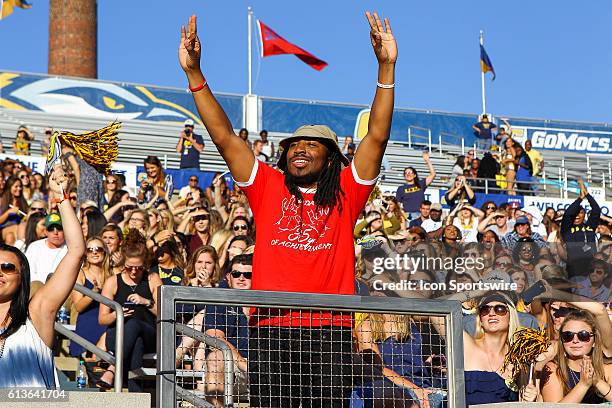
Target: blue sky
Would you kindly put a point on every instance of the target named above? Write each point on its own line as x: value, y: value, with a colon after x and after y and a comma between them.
x: 552, y: 58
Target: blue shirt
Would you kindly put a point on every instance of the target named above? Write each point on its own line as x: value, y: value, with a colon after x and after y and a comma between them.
x: 411, y: 196
x: 601, y: 295
x: 190, y: 157
x: 232, y: 321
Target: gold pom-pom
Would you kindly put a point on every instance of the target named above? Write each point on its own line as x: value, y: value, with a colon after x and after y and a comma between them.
x: 98, y: 148
x: 525, y: 346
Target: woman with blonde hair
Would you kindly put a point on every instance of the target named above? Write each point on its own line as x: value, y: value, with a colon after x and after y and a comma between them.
x: 94, y: 272
x: 220, y: 238
x: 137, y: 219
x: 579, y: 373
x: 485, y: 379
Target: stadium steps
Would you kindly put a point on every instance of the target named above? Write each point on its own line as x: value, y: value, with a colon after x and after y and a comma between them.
x: 139, y: 139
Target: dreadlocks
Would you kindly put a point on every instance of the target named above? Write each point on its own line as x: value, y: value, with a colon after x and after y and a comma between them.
x: 328, y: 184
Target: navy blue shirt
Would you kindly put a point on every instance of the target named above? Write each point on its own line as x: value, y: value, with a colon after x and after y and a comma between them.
x: 232, y: 321
x: 190, y: 157
x: 485, y: 130
x: 411, y: 196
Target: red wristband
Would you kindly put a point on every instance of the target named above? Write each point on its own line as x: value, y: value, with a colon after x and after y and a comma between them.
x: 199, y: 87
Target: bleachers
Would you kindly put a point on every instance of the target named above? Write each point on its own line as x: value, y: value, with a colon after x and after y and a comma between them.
x: 139, y: 139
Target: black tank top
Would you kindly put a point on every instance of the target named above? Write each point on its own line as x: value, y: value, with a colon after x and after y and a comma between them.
x: 124, y: 290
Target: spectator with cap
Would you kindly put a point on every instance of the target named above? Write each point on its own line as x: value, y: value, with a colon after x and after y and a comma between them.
x: 579, y: 235
x: 483, y: 132
x: 267, y: 145
x: 45, y: 254
x: 189, y: 146
x: 425, y: 208
x: 534, y: 216
x: 433, y: 224
x: 412, y: 193
x: 522, y: 229
x: 593, y: 286
x: 23, y: 141
x: 191, y: 190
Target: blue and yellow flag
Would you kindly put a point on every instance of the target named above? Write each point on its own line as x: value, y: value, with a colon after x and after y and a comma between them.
x: 485, y: 62
x: 7, y: 6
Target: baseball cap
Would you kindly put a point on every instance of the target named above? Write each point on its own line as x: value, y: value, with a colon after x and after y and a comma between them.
x: 320, y: 132
x: 53, y: 219
x: 189, y: 122
x: 521, y: 220
x: 435, y: 207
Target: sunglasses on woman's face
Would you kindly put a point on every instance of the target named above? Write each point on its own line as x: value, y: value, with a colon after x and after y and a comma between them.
x: 500, y: 310
x: 583, y: 336
x: 129, y: 268
x: 491, y: 207
x: 202, y: 217
x: 8, y: 268
x: 241, y: 227
x: 95, y: 250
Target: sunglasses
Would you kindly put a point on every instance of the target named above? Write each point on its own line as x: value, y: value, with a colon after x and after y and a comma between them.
x: 52, y: 228
x: 240, y: 227
x: 111, y: 181
x: 608, y: 305
x: 95, y: 250
x: 499, y: 310
x: 34, y: 209
x: 237, y: 274
x: 24, y: 176
x: 193, y: 179
x: 583, y: 336
x: 502, y: 264
x: 560, y: 311
x: 129, y: 268
x: 491, y: 207
x: 201, y: 217
x: 73, y: 198
x: 8, y: 268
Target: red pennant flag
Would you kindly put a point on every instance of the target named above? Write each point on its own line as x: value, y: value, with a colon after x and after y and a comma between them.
x: 274, y: 44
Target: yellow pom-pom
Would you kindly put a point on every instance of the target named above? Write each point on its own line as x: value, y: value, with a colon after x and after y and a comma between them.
x: 98, y: 148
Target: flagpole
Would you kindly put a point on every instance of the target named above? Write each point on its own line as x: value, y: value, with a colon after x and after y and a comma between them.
x: 250, y: 29
x: 482, y: 79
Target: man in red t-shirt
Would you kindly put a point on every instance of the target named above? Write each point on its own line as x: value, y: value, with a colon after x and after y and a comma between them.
x: 305, y: 218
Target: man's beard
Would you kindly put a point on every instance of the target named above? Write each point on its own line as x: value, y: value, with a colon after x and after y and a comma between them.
x: 304, y: 180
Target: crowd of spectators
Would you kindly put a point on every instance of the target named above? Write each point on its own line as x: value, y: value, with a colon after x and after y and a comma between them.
x: 138, y: 240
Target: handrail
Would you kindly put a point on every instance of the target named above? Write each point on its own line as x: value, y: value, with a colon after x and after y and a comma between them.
x: 117, y: 360
x: 228, y: 359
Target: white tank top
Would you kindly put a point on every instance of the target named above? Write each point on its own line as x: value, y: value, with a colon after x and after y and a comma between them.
x: 27, y: 361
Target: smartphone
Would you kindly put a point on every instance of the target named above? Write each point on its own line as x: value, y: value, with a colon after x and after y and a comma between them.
x: 534, y: 290
x: 129, y: 304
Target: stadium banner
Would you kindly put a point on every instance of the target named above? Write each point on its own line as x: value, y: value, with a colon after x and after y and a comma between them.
x: 180, y: 178
x: 107, y: 100
x: 562, y: 203
x: 121, y: 101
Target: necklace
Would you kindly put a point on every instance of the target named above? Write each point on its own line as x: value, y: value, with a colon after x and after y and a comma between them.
x: 3, y: 342
x: 575, y: 376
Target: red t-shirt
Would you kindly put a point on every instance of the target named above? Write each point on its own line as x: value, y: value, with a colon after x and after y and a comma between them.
x: 300, y: 249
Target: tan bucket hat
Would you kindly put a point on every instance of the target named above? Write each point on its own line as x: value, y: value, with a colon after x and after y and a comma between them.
x: 321, y: 132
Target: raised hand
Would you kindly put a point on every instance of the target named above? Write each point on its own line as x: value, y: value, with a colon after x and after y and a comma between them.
x: 382, y: 39
x: 190, y: 48
x: 425, y: 155
x: 58, y: 182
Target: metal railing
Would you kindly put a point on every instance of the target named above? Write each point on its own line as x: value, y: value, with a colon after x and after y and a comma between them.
x: 116, y: 360
x: 170, y: 296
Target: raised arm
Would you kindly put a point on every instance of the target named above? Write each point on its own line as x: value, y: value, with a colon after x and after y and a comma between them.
x: 47, y: 301
x: 432, y: 171
x: 235, y: 152
x: 482, y: 225
x: 369, y: 154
